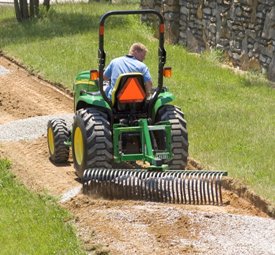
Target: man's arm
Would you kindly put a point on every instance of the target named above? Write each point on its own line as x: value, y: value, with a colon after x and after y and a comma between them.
x: 148, y: 87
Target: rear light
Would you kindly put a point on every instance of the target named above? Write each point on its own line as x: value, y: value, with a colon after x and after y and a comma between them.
x: 167, y: 72
x: 161, y: 28
x: 94, y: 74
x: 101, y: 30
x: 132, y: 92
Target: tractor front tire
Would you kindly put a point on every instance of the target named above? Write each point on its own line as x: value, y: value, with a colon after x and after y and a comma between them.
x: 179, y: 136
x: 91, y: 141
x: 57, y: 134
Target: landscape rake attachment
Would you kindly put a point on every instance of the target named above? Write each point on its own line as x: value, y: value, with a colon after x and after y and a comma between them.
x: 171, y: 186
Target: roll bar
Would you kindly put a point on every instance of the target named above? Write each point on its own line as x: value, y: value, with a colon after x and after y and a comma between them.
x: 161, y: 51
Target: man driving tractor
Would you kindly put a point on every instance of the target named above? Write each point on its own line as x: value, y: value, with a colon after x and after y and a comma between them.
x: 132, y: 62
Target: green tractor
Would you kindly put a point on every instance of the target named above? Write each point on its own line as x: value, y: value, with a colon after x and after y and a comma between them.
x: 109, y: 136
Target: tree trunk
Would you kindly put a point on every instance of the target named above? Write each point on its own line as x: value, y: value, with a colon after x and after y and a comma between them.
x: 17, y: 11
x: 24, y: 9
x: 46, y: 3
x: 31, y: 8
x: 36, y: 7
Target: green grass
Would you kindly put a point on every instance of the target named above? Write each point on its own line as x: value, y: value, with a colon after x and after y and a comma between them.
x: 230, y: 117
x: 31, y: 223
x: 68, y: 38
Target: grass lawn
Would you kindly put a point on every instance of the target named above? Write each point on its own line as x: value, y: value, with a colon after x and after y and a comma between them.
x: 231, y: 118
x: 30, y: 223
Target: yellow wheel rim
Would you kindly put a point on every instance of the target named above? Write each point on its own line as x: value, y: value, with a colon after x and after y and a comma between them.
x: 78, y: 146
x: 51, y: 140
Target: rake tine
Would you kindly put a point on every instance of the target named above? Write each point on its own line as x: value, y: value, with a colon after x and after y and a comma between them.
x: 128, y: 187
x: 189, y: 189
x: 177, y: 187
x: 138, y: 184
x: 192, y: 195
x: 125, y: 185
x: 157, y: 186
x: 167, y: 186
x: 101, y: 182
x: 220, y: 187
x: 116, y: 183
x: 132, y: 185
x: 192, y: 188
x: 92, y: 182
x: 160, y: 187
x: 184, y: 187
x: 85, y: 183
x: 201, y: 181
x: 196, y: 175
x: 138, y: 174
x: 151, y: 186
x: 155, y: 194
x: 212, y: 188
x: 111, y: 183
x: 193, y: 181
x: 102, y: 186
x: 124, y: 190
x: 173, y: 189
x: 203, y: 188
x: 217, y: 184
x: 98, y: 181
x: 169, y: 189
x: 143, y: 187
x: 208, y: 189
x: 139, y: 193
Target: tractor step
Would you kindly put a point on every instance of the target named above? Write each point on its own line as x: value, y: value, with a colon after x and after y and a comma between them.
x: 171, y: 186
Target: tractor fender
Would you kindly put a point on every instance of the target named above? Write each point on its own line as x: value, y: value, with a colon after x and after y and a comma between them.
x: 84, y: 83
x: 163, y: 98
x: 83, y: 76
x: 97, y: 101
x: 86, y: 93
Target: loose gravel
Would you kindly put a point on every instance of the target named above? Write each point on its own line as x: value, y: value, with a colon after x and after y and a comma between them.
x: 235, y: 234
x: 30, y: 128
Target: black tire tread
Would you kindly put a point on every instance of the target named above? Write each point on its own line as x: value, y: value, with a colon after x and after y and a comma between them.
x: 99, y: 139
x: 179, y: 135
x: 61, y: 134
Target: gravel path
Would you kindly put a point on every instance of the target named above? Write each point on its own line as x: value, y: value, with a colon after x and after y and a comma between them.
x: 30, y: 128
x: 152, y: 228
x: 235, y: 234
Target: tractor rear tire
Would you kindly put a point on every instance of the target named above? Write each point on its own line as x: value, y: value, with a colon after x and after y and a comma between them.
x: 91, y: 141
x: 179, y: 136
x: 57, y: 134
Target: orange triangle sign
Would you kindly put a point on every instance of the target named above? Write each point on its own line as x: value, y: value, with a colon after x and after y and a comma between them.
x: 132, y: 92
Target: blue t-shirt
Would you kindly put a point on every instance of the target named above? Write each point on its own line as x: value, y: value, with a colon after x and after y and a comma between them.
x: 125, y: 64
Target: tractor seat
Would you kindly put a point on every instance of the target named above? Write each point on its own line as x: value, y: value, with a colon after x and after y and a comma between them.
x: 129, y: 93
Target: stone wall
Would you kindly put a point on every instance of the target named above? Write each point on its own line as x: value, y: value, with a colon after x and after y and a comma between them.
x: 243, y: 29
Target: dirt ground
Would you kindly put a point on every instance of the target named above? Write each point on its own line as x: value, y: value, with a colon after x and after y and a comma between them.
x: 120, y: 227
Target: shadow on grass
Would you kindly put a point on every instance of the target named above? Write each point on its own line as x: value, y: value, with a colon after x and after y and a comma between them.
x: 57, y: 23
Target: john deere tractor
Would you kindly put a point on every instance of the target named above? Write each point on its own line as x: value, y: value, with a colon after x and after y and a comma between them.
x: 109, y: 136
